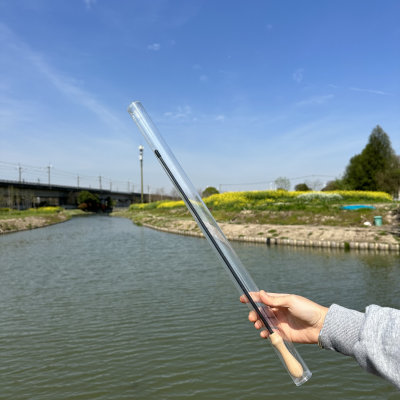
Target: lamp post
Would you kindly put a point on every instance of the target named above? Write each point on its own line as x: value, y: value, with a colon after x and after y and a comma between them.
x: 20, y: 173
x: 141, y: 172
x: 48, y: 173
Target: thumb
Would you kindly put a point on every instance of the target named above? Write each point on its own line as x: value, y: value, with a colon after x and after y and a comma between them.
x: 275, y: 299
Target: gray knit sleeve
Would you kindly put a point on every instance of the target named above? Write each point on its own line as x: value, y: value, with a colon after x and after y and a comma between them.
x: 372, y: 338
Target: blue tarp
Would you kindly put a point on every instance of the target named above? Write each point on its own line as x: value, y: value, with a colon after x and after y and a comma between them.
x: 357, y: 207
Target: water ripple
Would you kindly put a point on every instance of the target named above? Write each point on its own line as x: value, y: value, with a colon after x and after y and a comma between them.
x: 97, y: 308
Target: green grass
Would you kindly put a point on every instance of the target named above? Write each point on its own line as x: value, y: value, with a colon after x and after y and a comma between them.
x: 313, y: 216
x: 274, y: 207
x: 6, y: 213
x: 47, y: 215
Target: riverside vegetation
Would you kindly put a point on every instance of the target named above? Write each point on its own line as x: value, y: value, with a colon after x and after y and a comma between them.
x: 279, y: 207
x: 16, y: 220
x: 276, y: 214
x: 283, y: 214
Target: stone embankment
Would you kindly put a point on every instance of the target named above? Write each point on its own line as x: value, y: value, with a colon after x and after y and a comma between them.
x: 368, y: 238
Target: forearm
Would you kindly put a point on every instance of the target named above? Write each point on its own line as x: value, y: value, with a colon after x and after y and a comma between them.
x: 372, y: 338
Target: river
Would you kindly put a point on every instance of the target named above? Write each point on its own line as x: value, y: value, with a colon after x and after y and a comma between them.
x: 98, y: 308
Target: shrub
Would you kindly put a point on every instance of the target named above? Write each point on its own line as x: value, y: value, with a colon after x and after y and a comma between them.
x: 88, y: 201
x: 301, y: 187
x: 209, y: 191
x: 336, y: 184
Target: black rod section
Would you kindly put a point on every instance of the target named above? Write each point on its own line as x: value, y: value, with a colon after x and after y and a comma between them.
x: 216, y: 245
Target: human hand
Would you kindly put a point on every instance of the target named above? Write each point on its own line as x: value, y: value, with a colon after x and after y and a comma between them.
x: 299, y: 319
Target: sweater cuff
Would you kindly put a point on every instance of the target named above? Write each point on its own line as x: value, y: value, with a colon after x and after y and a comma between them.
x: 341, y: 328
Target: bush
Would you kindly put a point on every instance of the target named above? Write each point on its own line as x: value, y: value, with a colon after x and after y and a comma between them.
x: 301, y: 187
x: 337, y: 184
x: 88, y: 201
x: 209, y: 191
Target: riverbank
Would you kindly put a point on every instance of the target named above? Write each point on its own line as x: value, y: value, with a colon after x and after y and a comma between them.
x: 364, y: 237
x: 15, y: 221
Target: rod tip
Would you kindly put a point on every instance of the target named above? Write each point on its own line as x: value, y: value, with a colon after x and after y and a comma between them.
x: 133, y: 106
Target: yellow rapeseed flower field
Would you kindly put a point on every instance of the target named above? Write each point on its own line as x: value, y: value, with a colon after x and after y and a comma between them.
x: 48, y: 209
x: 263, y: 198
x: 171, y: 204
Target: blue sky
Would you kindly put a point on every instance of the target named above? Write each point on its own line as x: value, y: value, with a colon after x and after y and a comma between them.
x: 243, y: 92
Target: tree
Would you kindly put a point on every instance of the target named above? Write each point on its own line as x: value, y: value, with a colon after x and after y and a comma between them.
x: 315, y: 184
x: 282, y: 183
x: 174, y: 193
x: 88, y: 201
x: 391, y: 179
x: 209, y: 191
x: 336, y: 184
x: 301, y: 187
x: 375, y: 167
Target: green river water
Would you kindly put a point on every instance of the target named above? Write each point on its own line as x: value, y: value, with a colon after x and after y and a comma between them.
x: 98, y: 308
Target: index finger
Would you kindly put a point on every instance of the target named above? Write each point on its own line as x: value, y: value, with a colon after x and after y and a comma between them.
x: 254, y: 295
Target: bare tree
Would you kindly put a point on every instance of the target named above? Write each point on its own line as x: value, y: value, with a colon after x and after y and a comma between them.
x: 282, y: 183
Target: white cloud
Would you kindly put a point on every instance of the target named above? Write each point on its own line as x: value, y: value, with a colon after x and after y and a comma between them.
x: 380, y: 92
x: 154, y: 47
x: 89, y: 3
x: 220, y: 117
x: 315, y: 100
x: 181, y: 112
x: 298, y: 75
x: 66, y: 85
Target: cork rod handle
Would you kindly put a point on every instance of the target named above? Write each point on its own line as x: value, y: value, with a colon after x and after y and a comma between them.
x: 293, y: 366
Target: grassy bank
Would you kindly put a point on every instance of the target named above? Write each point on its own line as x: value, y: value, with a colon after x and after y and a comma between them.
x: 277, y: 207
x: 16, y: 220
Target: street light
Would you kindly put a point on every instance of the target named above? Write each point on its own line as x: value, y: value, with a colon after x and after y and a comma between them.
x: 141, y: 172
x: 48, y: 173
x: 20, y: 173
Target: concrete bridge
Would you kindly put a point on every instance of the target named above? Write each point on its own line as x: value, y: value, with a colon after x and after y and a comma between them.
x: 21, y: 195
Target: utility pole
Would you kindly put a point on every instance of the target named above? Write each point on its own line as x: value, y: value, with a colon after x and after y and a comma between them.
x: 100, y: 182
x: 141, y: 172
x: 20, y: 173
x: 48, y: 173
x: 77, y: 181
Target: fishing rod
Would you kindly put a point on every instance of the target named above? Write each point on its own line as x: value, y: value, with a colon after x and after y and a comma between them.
x: 285, y: 349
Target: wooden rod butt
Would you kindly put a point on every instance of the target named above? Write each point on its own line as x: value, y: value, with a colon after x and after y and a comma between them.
x: 294, y: 367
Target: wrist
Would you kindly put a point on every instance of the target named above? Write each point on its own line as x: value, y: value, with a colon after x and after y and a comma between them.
x: 323, y: 312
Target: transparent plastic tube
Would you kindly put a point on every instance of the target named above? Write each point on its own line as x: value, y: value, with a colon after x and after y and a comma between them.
x: 287, y: 353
